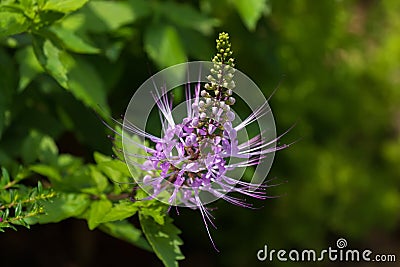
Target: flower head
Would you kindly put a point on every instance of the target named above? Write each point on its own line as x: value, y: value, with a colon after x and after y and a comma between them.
x: 195, y: 159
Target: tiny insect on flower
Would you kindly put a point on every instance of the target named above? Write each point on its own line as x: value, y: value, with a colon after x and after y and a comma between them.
x: 193, y: 159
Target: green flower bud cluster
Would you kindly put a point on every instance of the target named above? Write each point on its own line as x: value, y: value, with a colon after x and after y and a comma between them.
x: 221, y: 78
x: 217, y: 94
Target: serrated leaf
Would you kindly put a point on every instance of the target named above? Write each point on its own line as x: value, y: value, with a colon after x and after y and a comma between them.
x: 250, y: 11
x: 50, y: 57
x: 120, y: 211
x: 163, y: 45
x: 185, y: 15
x: 116, y: 170
x: 72, y: 41
x: 12, y: 23
x: 29, y: 67
x: 163, y: 239
x: 64, y: 6
x: 126, y: 231
x: 64, y: 206
x: 156, y: 212
x: 98, y: 209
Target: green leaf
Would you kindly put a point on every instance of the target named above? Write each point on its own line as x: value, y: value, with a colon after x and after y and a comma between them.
x: 5, y: 177
x: 68, y: 174
x: 47, y: 150
x: 12, y: 23
x: 48, y: 171
x: 122, y: 210
x: 163, y: 239
x: 78, y: 180
x: 27, y: 4
x: 39, y: 146
x: 250, y: 11
x: 98, y: 209
x: 63, y: 206
x: 40, y: 188
x: 140, y: 8
x: 29, y: 67
x: 163, y: 45
x: 106, y: 16
x: 46, y: 18
x: 153, y: 210
x: 69, y: 163
x: 64, y: 6
x: 112, y: 14
x: 87, y: 85
x: 50, y: 57
x: 116, y: 170
x: 72, y: 41
x: 99, y: 178
x: 126, y: 231
x: 184, y: 15
x: 18, y: 210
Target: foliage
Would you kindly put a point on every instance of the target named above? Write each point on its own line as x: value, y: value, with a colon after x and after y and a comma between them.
x: 19, y: 203
x: 64, y: 64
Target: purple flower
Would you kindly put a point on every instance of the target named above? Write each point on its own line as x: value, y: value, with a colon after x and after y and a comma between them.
x: 194, y: 158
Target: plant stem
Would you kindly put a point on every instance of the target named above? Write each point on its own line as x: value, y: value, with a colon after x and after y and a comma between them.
x: 29, y: 200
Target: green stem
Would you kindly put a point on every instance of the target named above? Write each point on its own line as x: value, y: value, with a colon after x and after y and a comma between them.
x: 29, y: 200
x: 31, y: 214
x: 10, y: 184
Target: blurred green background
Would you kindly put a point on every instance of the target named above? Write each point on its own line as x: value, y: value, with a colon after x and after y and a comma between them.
x: 337, y: 64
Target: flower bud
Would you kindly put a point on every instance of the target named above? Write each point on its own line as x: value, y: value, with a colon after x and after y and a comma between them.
x: 214, y: 110
x: 230, y: 115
